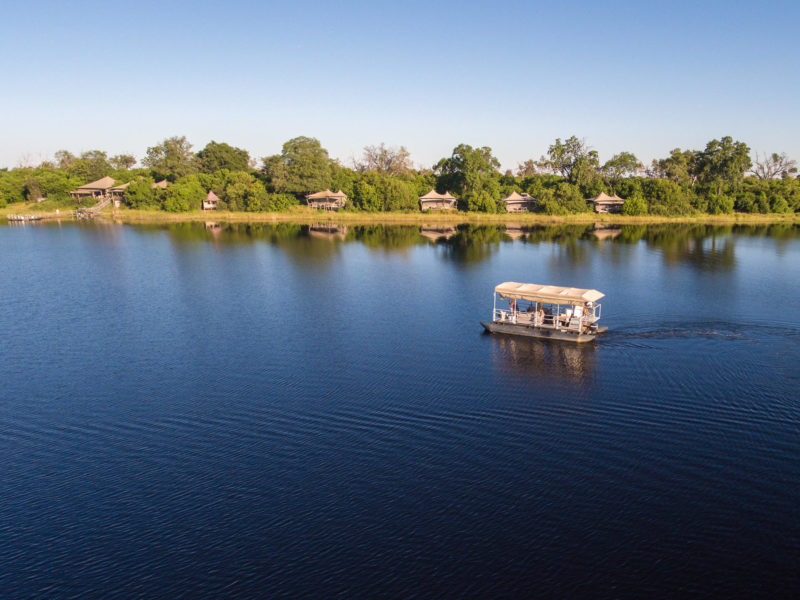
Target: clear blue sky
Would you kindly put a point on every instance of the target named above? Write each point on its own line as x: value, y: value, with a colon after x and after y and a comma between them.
x: 428, y: 75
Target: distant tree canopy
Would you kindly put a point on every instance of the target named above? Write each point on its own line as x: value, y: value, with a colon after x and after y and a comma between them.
x: 171, y: 159
x: 388, y: 161
x: 719, y: 179
x: 218, y: 156
x: 302, y: 166
x: 123, y: 161
x: 471, y: 174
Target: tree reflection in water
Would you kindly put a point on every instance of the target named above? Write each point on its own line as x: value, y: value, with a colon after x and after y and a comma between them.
x: 535, y: 358
x: 704, y: 247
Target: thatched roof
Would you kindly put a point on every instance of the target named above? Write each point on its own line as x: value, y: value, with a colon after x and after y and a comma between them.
x: 604, y: 198
x: 433, y: 195
x: 212, y: 197
x: 160, y: 184
x: 119, y: 188
x: 517, y: 197
x: 546, y: 293
x: 101, y: 184
x: 325, y: 194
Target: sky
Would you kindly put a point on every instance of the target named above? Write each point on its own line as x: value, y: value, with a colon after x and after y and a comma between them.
x: 514, y: 76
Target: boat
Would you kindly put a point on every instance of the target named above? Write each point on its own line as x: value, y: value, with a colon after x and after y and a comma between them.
x: 546, y: 311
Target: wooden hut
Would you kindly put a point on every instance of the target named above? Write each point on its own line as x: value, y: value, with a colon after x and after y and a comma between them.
x: 327, y: 200
x: 435, y: 201
x: 117, y: 193
x: 211, y: 202
x: 159, y: 184
x: 99, y: 190
x: 603, y: 203
x: 516, y: 202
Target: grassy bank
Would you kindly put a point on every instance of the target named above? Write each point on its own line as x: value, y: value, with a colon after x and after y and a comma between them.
x: 302, y: 214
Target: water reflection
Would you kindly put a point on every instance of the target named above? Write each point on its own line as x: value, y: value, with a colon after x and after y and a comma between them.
x: 601, y: 231
x: 704, y: 247
x: 437, y: 232
x: 530, y: 357
x: 328, y: 232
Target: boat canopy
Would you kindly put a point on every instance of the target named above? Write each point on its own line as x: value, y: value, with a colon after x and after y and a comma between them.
x: 546, y: 293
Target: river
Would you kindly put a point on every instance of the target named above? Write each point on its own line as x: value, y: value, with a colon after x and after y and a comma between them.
x: 281, y: 410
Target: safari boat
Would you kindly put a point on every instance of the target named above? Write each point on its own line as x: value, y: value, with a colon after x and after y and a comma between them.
x: 546, y: 311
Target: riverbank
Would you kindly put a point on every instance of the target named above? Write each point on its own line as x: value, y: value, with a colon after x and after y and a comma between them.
x: 302, y: 214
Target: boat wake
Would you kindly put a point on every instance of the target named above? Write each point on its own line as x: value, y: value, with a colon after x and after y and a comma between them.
x: 716, y: 330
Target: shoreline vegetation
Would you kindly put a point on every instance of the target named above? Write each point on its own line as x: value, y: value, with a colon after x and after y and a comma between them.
x: 305, y: 215
x: 720, y: 184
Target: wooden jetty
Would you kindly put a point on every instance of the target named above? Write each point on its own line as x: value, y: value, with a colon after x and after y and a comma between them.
x: 24, y: 218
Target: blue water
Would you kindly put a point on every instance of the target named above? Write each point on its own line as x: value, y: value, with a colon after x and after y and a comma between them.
x: 280, y: 411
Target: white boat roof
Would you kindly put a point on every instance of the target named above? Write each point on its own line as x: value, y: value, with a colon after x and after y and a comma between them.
x: 534, y: 292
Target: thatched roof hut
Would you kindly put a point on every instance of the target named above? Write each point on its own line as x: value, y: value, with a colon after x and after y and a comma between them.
x: 436, y: 201
x: 516, y: 202
x: 211, y: 202
x: 95, y: 189
x: 159, y: 184
x: 605, y: 203
x: 327, y: 200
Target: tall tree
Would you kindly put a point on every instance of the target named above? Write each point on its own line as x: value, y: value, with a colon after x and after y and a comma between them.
x: 384, y: 160
x: 573, y: 159
x: 64, y: 159
x: 469, y: 170
x: 122, y: 161
x: 90, y: 165
x: 723, y: 163
x: 171, y: 159
x: 774, y: 166
x: 622, y: 165
x: 529, y: 168
x: 680, y: 166
x: 302, y: 166
x: 217, y: 156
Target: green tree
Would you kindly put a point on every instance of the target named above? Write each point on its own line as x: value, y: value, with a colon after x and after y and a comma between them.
x: 482, y: 201
x: 722, y: 165
x: 667, y: 198
x: 64, y: 159
x: 720, y: 204
x: 217, y: 156
x: 779, y: 205
x: 469, y: 171
x: 141, y: 194
x: 622, y: 165
x: 398, y: 194
x: 680, y: 166
x: 122, y: 161
x: 634, y: 206
x: 365, y: 197
x: 184, y: 195
x: 90, y: 166
x: 303, y: 166
x: 171, y: 159
x: 573, y: 159
x: 241, y: 192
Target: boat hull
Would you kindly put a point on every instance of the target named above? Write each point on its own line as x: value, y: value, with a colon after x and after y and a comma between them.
x: 539, y: 332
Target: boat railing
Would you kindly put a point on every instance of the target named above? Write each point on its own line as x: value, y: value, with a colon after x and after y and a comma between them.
x: 567, y: 319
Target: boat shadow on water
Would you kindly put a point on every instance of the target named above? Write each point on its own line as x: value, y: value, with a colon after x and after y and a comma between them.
x: 540, y: 358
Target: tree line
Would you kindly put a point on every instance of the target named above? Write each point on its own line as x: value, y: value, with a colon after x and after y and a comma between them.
x: 721, y: 178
